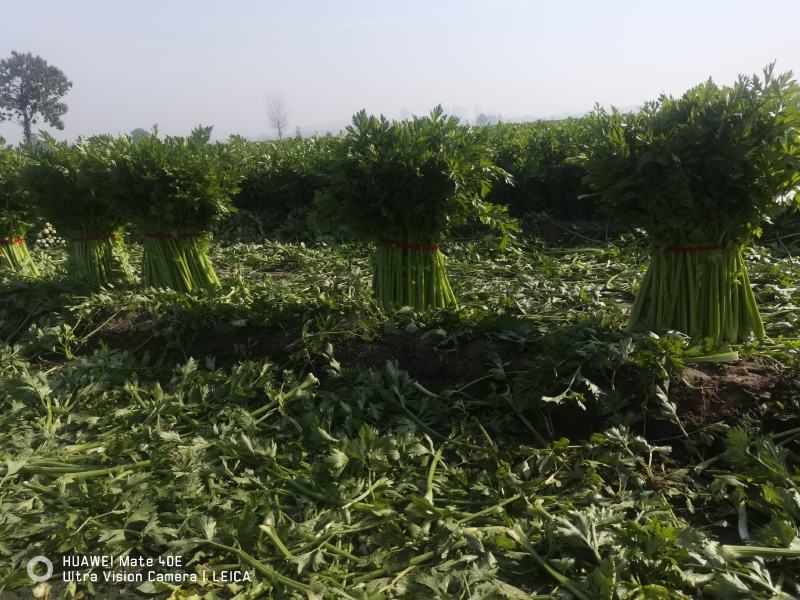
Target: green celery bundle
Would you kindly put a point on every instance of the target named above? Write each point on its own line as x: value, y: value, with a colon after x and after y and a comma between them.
x: 700, y: 173
x: 403, y: 185
x: 71, y: 186
x: 14, y: 214
x: 173, y: 190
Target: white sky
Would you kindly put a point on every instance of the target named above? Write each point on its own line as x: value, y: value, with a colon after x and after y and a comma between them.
x: 178, y: 63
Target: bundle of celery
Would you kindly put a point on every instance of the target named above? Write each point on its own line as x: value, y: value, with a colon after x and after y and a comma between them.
x: 174, y: 189
x: 72, y: 187
x: 97, y: 259
x: 701, y: 290
x: 700, y: 173
x: 402, y: 185
x: 15, y: 257
x: 179, y: 262
x: 14, y: 214
x: 408, y: 274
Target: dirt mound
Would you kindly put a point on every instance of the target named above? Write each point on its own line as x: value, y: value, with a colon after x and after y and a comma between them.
x: 749, y: 389
x: 434, y: 369
x: 137, y: 332
x: 228, y: 343
x: 127, y: 330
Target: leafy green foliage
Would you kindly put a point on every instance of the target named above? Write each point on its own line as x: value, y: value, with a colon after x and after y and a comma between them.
x: 15, y: 210
x: 281, y: 178
x: 700, y: 173
x: 538, y: 157
x: 72, y: 185
x: 409, y: 180
x: 174, y: 185
x: 704, y: 168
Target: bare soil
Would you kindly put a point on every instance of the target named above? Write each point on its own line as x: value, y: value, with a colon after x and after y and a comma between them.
x: 734, y: 393
x: 138, y: 333
x: 435, y: 369
x: 127, y: 330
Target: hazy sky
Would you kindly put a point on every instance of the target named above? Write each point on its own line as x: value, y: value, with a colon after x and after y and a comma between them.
x: 182, y: 62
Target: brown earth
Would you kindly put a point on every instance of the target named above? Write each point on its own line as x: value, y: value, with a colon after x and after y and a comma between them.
x: 127, y: 330
x: 747, y: 390
x: 228, y: 343
x: 137, y: 332
x: 434, y: 369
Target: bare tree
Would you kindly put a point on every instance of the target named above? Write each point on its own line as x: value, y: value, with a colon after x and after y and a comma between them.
x: 277, y: 113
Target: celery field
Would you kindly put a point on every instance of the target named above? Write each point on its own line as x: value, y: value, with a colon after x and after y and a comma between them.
x: 416, y: 359
x: 521, y: 446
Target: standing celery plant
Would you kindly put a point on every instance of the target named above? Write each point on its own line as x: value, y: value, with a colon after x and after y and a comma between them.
x: 174, y: 189
x: 280, y: 179
x: 403, y: 185
x: 14, y: 214
x: 71, y: 187
x: 700, y: 173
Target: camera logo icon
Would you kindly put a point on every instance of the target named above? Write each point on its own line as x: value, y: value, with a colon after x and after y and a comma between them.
x: 48, y: 566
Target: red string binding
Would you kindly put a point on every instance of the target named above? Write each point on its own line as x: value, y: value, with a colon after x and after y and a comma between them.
x: 13, y: 242
x: 409, y: 246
